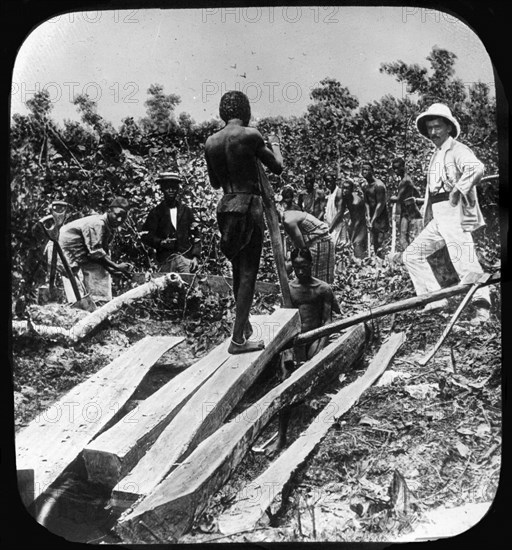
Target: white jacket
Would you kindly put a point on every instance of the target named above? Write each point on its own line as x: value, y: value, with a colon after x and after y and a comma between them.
x: 462, y: 170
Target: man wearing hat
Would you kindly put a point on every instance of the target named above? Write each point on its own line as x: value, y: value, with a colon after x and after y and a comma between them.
x: 168, y: 229
x: 85, y: 243
x: 451, y: 208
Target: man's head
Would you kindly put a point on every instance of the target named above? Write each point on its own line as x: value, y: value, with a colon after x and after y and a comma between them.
x: 398, y: 166
x: 330, y: 182
x: 287, y: 195
x: 235, y: 105
x: 309, y: 182
x: 302, y: 264
x: 117, y: 211
x: 438, y: 130
x: 437, y: 123
x: 347, y: 188
x: 367, y: 170
x: 170, y: 186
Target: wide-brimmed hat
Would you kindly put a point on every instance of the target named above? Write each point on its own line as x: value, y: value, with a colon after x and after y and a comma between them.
x: 166, y: 178
x: 438, y: 110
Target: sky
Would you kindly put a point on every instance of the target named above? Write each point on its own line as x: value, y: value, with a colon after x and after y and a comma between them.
x: 275, y: 55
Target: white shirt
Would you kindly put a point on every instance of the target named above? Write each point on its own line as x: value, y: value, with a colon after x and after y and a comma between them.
x: 174, y: 214
x: 436, y: 173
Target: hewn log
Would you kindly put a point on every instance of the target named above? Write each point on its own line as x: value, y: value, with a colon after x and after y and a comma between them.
x: 169, y: 510
x: 110, y: 457
x: 51, y: 442
x: 207, y: 408
x: 265, y: 492
x: 380, y: 311
x: 81, y: 329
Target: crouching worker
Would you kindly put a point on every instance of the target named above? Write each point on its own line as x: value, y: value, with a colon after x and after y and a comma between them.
x: 85, y: 243
x: 169, y: 229
x: 315, y: 301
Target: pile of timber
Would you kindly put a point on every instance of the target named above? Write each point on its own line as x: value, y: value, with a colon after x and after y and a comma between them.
x: 204, y: 412
x: 55, y: 439
x: 168, y: 511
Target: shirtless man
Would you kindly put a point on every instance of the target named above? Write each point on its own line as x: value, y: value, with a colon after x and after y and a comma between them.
x: 315, y: 301
x: 409, y: 216
x: 375, y: 199
x: 312, y: 200
x: 351, y: 201
x: 232, y: 156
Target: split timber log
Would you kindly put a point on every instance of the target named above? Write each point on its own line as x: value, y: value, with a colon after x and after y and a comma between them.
x: 110, y: 457
x: 266, y: 492
x: 207, y: 408
x: 211, y: 283
x: 81, y: 329
x: 51, y: 442
x: 168, y: 512
x: 387, y: 309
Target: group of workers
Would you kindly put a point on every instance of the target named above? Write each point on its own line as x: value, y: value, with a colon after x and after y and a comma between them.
x: 313, y: 221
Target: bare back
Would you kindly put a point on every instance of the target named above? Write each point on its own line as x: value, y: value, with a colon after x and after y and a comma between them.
x: 232, y: 155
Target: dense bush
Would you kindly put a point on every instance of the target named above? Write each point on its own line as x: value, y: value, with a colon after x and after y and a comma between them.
x: 88, y: 163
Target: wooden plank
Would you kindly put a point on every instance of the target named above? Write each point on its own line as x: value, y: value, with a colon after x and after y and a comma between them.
x: 387, y: 309
x: 51, y: 442
x: 207, y: 408
x: 212, y: 283
x: 110, y: 457
x: 265, y: 492
x: 267, y: 195
x: 169, y: 510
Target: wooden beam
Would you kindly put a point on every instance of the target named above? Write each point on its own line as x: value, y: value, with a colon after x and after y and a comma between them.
x: 213, y: 283
x: 266, y: 492
x: 380, y: 311
x: 170, y: 509
x: 51, y: 442
x: 207, y: 408
x: 110, y: 457
x: 267, y: 195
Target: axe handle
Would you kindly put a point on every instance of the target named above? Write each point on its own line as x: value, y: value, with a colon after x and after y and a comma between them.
x: 69, y: 273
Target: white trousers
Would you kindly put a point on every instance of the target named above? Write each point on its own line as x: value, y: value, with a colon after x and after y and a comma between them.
x: 443, y: 229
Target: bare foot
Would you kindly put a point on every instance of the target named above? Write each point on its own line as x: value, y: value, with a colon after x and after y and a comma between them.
x: 246, y: 347
x: 248, y: 330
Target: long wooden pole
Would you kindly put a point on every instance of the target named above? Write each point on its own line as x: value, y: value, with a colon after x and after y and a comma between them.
x: 387, y: 309
x: 267, y: 195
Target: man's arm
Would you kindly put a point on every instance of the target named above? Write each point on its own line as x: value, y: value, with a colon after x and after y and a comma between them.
x: 272, y: 159
x: 470, y: 167
x: 380, y: 197
x: 340, y: 207
x: 214, y: 182
x: 149, y: 228
x: 292, y: 228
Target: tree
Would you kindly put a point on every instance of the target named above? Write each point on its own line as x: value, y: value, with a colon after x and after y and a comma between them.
x: 160, y: 110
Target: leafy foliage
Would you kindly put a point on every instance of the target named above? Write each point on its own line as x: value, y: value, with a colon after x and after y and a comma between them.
x: 88, y: 163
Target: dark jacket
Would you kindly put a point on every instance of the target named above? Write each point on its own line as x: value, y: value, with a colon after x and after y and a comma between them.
x: 158, y: 226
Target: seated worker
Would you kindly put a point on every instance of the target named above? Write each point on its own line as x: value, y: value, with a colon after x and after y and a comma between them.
x: 85, y: 243
x: 315, y: 301
x: 408, y: 215
x: 168, y: 229
x: 234, y: 158
x: 313, y: 199
x: 357, y: 231
x: 306, y: 231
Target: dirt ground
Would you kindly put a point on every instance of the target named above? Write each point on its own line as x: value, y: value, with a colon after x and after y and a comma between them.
x: 436, y: 429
